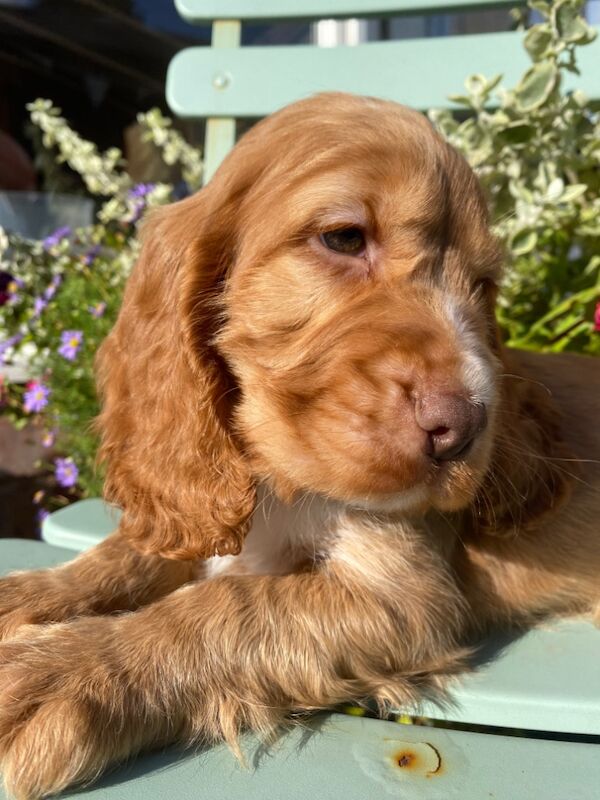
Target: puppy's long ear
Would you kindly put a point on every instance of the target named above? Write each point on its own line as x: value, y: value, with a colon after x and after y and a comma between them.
x: 528, y: 475
x: 172, y: 463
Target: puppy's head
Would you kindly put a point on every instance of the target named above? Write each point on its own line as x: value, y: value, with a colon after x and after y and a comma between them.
x: 320, y: 316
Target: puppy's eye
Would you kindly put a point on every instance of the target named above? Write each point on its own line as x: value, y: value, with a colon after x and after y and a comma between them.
x: 347, y: 241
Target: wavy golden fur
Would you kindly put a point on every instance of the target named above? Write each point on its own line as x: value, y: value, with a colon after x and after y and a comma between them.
x: 305, y: 381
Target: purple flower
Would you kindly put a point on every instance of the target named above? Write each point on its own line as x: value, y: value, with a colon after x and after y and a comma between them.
x: 142, y: 189
x: 139, y: 194
x: 41, y: 515
x: 97, y: 310
x: 66, y: 472
x: 36, y: 397
x: 8, y: 343
x: 54, y: 284
x: 70, y: 344
x: 39, y: 304
x: 56, y: 237
x: 91, y: 255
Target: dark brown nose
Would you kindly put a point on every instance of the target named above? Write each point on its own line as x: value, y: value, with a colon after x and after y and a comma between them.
x: 451, y: 422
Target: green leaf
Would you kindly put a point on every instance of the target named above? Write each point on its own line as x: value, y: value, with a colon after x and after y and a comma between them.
x: 593, y: 267
x: 493, y: 82
x: 461, y: 100
x: 476, y: 84
x: 554, y: 190
x: 573, y: 191
x: 536, y: 85
x: 583, y: 327
x: 523, y: 242
x: 570, y: 25
x: 543, y: 6
x: 516, y: 133
x: 537, y: 41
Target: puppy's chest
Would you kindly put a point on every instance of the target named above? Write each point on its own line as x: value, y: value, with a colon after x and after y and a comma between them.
x: 282, y: 537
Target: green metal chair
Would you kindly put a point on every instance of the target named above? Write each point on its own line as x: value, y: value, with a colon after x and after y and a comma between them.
x: 227, y: 82
x: 543, y: 686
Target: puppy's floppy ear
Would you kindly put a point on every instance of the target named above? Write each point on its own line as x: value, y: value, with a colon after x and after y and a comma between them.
x: 527, y: 476
x: 171, y: 460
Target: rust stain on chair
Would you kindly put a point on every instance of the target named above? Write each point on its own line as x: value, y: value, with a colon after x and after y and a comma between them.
x: 419, y: 758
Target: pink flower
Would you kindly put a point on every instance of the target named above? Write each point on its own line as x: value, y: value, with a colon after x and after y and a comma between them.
x: 597, y: 317
x: 48, y: 438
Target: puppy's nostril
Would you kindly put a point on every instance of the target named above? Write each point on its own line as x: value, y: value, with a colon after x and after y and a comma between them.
x: 441, y: 431
x: 451, y: 422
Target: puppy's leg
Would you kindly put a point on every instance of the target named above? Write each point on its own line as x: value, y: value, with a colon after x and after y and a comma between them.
x: 214, y: 658
x: 110, y: 577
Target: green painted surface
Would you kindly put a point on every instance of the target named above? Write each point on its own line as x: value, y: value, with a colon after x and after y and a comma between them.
x: 207, y: 10
x: 357, y: 759
x: 255, y: 81
x: 80, y: 525
x: 220, y: 133
x: 17, y: 554
x: 545, y: 680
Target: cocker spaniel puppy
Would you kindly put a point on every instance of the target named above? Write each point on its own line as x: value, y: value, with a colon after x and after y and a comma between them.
x: 331, y: 473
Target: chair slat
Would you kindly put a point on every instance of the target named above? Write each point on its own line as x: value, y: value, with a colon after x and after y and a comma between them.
x: 220, y: 132
x: 197, y: 11
x: 255, y: 81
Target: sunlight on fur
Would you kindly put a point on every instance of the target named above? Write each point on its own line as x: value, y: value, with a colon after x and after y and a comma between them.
x: 332, y: 474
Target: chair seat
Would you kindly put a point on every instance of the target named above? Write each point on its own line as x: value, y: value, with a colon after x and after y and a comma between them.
x: 532, y: 678
x: 80, y: 525
x: 359, y: 759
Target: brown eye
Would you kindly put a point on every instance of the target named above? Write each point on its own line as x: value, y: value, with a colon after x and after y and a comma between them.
x: 347, y: 241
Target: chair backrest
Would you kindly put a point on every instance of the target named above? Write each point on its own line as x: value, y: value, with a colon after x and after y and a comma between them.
x: 226, y: 82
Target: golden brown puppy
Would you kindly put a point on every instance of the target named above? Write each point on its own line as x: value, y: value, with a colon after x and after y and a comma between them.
x: 307, y: 357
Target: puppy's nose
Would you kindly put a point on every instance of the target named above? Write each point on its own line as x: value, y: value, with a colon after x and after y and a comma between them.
x: 451, y: 422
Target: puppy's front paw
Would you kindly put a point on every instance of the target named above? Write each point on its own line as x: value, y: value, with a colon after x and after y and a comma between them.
x: 59, y: 715
x: 32, y: 598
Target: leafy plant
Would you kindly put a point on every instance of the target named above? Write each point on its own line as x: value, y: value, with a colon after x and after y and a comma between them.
x: 59, y: 297
x: 536, y: 149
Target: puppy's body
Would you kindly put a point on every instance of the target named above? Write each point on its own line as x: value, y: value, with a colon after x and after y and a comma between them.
x: 527, y: 574
x: 555, y: 565
x: 306, y: 361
